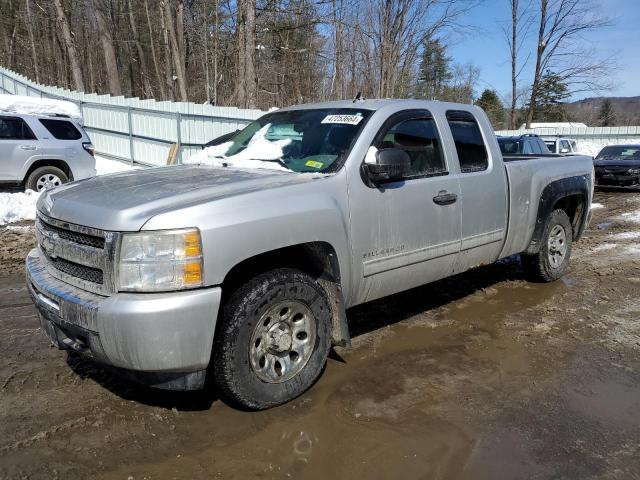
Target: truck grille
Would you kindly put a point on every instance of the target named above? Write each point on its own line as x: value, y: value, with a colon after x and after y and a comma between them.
x: 80, y: 256
x: 88, y: 274
x: 75, y: 237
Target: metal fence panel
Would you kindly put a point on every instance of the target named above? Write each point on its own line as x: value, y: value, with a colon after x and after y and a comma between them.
x: 135, y: 130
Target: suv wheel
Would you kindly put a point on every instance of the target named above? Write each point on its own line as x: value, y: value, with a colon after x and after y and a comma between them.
x: 273, y: 340
x: 552, y: 259
x: 45, y: 178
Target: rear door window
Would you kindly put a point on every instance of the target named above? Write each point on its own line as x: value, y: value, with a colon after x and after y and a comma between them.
x: 15, y: 128
x: 61, y: 129
x: 472, y: 153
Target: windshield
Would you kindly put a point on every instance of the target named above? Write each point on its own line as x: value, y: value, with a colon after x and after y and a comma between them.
x: 619, y: 153
x: 509, y: 146
x: 300, y: 140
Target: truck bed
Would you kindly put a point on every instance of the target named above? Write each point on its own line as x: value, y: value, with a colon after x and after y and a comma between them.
x: 527, y: 176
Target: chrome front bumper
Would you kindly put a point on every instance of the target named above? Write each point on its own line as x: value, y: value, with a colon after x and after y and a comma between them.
x: 160, y: 333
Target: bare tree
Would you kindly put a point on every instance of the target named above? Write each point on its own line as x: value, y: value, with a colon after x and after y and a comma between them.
x: 101, y: 8
x: 142, y: 63
x: 178, y: 58
x: 397, y: 28
x: 246, y: 40
x: 560, y: 48
x: 72, y: 54
x: 154, y: 57
x: 34, y: 53
x: 514, y: 37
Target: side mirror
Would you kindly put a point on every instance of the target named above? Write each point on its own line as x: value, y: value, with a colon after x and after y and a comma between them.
x: 391, y: 164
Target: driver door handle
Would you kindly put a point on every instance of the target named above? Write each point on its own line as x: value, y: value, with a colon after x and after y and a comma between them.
x: 445, y: 198
x: 27, y: 147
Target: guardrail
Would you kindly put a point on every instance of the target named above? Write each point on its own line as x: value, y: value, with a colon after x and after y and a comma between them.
x: 139, y: 131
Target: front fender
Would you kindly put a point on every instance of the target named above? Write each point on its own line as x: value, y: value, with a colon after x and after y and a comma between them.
x: 239, y: 228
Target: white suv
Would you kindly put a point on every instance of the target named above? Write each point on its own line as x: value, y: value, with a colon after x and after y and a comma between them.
x: 43, y: 151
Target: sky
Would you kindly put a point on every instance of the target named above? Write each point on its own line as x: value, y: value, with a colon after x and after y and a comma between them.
x: 485, y: 46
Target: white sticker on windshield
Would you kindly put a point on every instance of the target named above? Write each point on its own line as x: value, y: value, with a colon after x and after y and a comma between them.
x: 343, y: 119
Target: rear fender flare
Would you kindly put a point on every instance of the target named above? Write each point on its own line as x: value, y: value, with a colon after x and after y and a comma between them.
x: 551, y: 195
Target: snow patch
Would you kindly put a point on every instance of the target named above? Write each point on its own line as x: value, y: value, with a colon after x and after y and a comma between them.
x: 605, y: 246
x: 595, y: 206
x: 259, y: 153
x: 15, y: 207
x: 18, y: 206
x: 626, y: 235
x: 105, y: 166
x: 632, y: 216
x: 38, y: 106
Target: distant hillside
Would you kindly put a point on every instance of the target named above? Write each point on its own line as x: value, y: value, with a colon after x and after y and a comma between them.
x: 627, y: 110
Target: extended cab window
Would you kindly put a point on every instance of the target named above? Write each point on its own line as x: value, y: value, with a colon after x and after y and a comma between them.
x: 472, y: 152
x: 420, y: 140
x: 14, y: 128
x: 61, y: 129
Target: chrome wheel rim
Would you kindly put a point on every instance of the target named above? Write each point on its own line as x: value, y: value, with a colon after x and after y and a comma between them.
x: 557, y: 246
x: 48, y: 181
x: 282, y: 341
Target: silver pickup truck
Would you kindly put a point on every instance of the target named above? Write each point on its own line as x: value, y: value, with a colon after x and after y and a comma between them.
x: 243, y: 269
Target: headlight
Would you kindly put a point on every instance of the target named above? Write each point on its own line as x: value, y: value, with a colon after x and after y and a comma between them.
x: 634, y: 171
x: 160, y: 261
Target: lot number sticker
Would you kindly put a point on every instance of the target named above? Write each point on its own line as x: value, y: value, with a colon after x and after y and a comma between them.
x: 343, y: 119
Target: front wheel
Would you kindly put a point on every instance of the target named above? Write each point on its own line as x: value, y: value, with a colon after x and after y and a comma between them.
x: 552, y: 259
x: 273, y: 341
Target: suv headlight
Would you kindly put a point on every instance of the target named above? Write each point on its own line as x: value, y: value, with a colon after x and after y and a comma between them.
x: 634, y: 171
x: 160, y: 261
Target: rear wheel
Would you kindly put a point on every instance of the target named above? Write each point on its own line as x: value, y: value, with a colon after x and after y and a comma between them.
x: 552, y: 259
x: 45, y: 178
x: 273, y: 341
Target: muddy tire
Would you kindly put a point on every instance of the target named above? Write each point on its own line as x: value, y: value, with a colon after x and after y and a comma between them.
x: 273, y: 339
x: 44, y: 178
x: 552, y: 260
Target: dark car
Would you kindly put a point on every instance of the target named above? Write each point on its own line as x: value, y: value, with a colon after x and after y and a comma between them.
x: 618, y: 165
x: 528, y: 144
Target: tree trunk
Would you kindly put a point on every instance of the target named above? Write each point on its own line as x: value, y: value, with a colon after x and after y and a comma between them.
x: 250, y: 53
x: 241, y: 85
x: 154, y: 58
x: 76, y: 72
x: 34, y: 53
x: 215, y: 57
x: 142, y: 62
x: 167, y: 52
x: 178, y: 58
x: 514, y: 63
x: 106, y: 40
x: 538, y: 72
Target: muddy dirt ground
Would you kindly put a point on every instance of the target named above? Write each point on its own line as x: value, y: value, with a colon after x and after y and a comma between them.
x: 482, y: 376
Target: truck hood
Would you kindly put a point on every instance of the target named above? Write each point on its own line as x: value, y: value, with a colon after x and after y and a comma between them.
x: 126, y: 201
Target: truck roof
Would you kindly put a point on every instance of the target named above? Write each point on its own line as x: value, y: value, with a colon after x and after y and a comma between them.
x: 378, y: 103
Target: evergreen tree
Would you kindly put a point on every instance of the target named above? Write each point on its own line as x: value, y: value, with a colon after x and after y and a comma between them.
x: 491, y: 104
x: 434, y: 70
x: 607, y: 115
x: 550, y: 97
